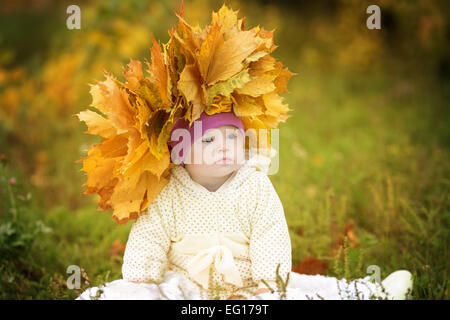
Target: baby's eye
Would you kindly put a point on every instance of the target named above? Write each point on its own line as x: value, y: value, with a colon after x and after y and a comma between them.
x: 210, y: 139
x: 232, y: 135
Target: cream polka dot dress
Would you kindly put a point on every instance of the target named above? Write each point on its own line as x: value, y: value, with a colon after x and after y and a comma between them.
x: 195, y: 244
x: 242, y: 224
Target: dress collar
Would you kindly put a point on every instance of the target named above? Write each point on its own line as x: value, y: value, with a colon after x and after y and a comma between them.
x: 182, y: 175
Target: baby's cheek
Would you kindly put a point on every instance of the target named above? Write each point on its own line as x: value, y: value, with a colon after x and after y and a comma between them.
x: 209, y: 157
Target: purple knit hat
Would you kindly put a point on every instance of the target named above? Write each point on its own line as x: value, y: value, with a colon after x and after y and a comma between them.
x: 207, y: 122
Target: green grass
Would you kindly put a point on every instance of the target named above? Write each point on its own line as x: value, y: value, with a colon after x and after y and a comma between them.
x: 38, y: 246
x: 363, y: 157
x: 357, y: 162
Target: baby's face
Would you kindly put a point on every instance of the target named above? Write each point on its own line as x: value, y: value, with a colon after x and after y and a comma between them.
x: 218, y: 153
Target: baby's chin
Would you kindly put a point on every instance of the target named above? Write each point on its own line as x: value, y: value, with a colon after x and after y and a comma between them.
x: 217, y: 169
x: 223, y: 169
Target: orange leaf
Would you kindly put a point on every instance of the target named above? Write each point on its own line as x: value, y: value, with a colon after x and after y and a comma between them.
x: 159, y: 71
x: 229, y: 56
x: 133, y: 73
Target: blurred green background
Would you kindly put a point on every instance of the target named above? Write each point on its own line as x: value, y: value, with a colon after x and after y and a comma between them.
x: 364, y: 171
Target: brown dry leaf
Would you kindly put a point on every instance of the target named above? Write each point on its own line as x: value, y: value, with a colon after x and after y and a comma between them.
x: 311, y: 266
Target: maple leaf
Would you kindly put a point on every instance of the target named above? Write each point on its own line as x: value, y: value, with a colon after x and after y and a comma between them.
x: 274, y: 104
x: 97, y: 124
x: 159, y: 71
x: 133, y: 73
x: 227, y: 18
x: 219, y: 68
x: 229, y: 56
x: 121, y: 168
x: 247, y: 106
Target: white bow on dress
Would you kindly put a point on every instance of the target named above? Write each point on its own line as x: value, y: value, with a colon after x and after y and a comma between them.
x: 217, y: 250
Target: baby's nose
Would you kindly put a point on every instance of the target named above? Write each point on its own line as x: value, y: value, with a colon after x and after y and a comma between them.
x: 224, y: 147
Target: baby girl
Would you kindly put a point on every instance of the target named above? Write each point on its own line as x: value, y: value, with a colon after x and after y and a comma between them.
x: 215, y: 212
x: 218, y: 230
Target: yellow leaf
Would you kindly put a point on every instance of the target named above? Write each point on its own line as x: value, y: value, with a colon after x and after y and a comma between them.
x: 98, y: 92
x: 283, y: 78
x: 97, y: 124
x: 226, y: 17
x: 99, y: 169
x: 258, y: 86
x: 188, y: 36
x: 225, y: 88
x: 261, y: 66
x: 259, y: 137
x: 189, y: 83
x: 164, y: 135
x: 149, y: 163
x: 219, y: 104
x: 229, y: 56
x: 136, y: 148
x: 208, y: 49
x: 255, y: 56
x: 247, y: 106
x: 274, y: 104
x: 115, y: 103
x: 271, y: 121
x: 265, y: 40
x: 128, y: 201
x: 159, y: 72
x: 143, y: 114
x: 150, y: 93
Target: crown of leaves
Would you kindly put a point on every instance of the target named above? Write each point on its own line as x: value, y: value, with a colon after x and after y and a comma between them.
x: 221, y: 68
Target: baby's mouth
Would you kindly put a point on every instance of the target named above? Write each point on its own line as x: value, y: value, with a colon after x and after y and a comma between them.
x: 224, y: 160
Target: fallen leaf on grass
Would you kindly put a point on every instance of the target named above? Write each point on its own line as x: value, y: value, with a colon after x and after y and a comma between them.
x: 311, y: 266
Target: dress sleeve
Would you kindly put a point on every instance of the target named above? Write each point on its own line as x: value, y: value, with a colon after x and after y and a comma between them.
x: 270, y: 243
x: 145, y: 257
